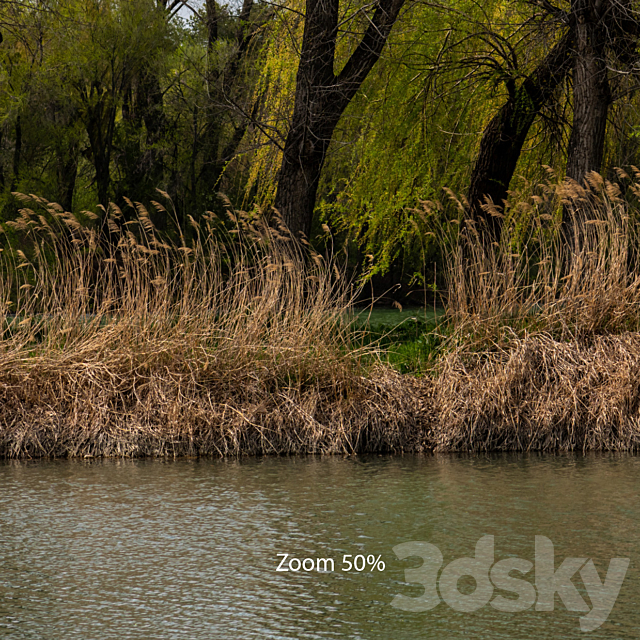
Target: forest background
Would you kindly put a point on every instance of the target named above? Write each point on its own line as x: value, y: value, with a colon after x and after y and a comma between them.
x: 102, y: 101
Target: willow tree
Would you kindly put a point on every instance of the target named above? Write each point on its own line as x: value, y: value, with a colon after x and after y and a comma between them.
x: 408, y: 133
x: 321, y: 96
x: 504, y: 137
x: 606, y: 41
x: 596, y: 46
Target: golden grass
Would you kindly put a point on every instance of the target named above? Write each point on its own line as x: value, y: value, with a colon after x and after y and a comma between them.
x: 124, y: 344
x: 121, y: 343
x: 545, y: 350
x: 577, y: 281
x: 541, y: 394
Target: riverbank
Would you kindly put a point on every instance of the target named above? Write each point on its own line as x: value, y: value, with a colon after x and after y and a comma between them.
x: 385, y: 413
x: 542, y: 395
x: 117, y: 342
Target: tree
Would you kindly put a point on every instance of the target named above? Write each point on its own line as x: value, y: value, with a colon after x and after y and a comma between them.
x: 321, y: 96
x: 598, y: 45
x: 504, y: 137
x: 222, y: 90
x: 606, y: 41
x: 100, y: 100
x: 409, y: 131
x: 209, y: 102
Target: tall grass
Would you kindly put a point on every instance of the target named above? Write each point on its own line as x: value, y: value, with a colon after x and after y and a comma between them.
x: 577, y: 280
x: 116, y: 341
x: 545, y: 349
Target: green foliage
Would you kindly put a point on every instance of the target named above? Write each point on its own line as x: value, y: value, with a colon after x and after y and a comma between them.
x: 412, y: 129
x: 101, y: 100
x: 409, y: 340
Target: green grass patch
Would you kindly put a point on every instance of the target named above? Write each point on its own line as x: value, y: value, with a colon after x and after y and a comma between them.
x: 409, y: 340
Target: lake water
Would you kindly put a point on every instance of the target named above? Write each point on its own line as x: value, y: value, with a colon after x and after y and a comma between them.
x: 189, y: 549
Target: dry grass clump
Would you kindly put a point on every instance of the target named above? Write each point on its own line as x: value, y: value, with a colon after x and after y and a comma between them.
x: 577, y: 280
x: 545, y: 345
x: 542, y: 394
x: 117, y: 342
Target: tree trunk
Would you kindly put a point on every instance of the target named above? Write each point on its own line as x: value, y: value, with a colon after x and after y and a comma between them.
x: 505, y: 135
x: 1, y: 166
x: 67, y: 175
x: 320, y: 99
x: 151, y: 162
x: 17, y: 154
x: 298, y: 185
x: 151, y: 103
x: 100, y: 117
x: 591, y: 99
x: 591, y: 94
x: 220, y: 84
x: 193, y: 177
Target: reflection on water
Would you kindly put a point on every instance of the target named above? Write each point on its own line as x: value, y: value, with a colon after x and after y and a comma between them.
x: 188, y: 549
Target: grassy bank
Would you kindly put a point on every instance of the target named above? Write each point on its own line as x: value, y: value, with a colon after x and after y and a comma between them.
x: 408, y: 340
x: 117, y: 342
x: 543, y: 351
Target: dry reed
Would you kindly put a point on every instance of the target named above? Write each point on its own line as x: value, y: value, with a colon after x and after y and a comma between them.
x: 545, y: 351
x: 124, y: 344
x: 583, y: 279
x: 117, y: 342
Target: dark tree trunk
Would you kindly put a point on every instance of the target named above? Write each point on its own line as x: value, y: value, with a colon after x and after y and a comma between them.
x: 591, y: 100
x: 67, y: 175
x: 151, y: 103
x: 100, y: 117
x: 320, y: 100
x: 1, y: 166
x: 220, y: 85
x: 243, y: 38
x: 298, y: 183
x: 505, y: 135
x: 193, y: 177
x: 209, y: 142
x: 151, y: 163
x: 17, y: 154
x: 211, y: 10
x: 130, y: 157
x: 591, y: 93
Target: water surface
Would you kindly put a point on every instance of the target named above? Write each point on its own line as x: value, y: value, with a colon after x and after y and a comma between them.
x: 189, y: 549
